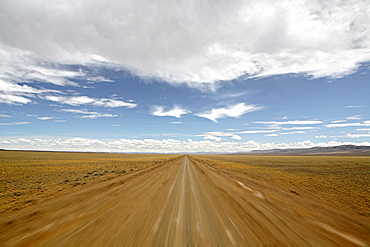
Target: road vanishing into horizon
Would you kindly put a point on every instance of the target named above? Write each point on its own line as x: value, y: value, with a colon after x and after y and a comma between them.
x: 180, y: 203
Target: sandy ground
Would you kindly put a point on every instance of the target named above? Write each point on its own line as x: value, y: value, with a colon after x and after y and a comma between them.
x: 180, y: 203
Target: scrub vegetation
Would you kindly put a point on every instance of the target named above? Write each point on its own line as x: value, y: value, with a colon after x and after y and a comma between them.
x: 341, y: 182
x: 28, y: 178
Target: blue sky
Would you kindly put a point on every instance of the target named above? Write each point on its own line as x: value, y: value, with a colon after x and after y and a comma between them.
x: 197, y: 77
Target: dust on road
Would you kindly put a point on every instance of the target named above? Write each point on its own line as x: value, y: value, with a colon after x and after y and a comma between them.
x: 181, y: 203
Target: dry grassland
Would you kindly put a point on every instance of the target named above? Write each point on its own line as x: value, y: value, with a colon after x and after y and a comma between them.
x: 28, y: 178
x: 340, y: 182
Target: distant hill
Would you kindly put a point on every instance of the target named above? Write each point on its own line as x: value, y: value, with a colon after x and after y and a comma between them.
x: 336, y: 150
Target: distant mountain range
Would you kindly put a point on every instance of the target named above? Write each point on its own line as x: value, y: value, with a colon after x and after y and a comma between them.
x: 336, y: 150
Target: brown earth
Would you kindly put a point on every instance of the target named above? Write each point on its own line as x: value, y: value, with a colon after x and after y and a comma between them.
x: 179, y: 203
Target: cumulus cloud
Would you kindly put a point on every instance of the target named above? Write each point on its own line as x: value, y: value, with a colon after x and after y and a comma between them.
x: 236, y: 137
x: 212, y: 138
x: 177, y: 111
x: 155, y: 146
x: 230, y: 111
x: 192, y: 41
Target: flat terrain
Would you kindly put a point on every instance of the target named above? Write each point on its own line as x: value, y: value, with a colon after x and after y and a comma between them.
x: 340, y: 182
x: 183, y: 201
x: 28, y: 178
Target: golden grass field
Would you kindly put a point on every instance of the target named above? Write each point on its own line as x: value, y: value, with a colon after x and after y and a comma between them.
x: 28, y: 178
x: 340, y: 182
x: 137, y: 198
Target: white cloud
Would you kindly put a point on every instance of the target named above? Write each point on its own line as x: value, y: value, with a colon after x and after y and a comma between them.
x: 358, y: 135
x: 261, y: 131
x: 212, y: 138
x: 236, y: 137
x: 231, y: 111
x: 15, y: 123
x: 53, y: 76
x: 231, y: 95
x: 152, y: 145
x: 113, y: 103
x: 274, y: 134
x: 293, y: 122
x: 321, y: 136
x: 13, y: 99
x: 339, y: 121
x: 15, y: 94
x: 74, y: 100
x: 177, y: 111
x: 300, y: 128
x: 21, y: 66
x: 3, y: 115
x: 200, y: 41
x: 293, y: 132
x: 355, y: 117
x: 219, y: 133
x: 45, y: 118
x: 337, y: 125
x: 353, y: 106
x: 85, y: 100
x: 96, y: 79
x: 175, y: 122
x: 9, y: 87
x: 88, y: 114
x: 214, y: 135
x: 256, y: 131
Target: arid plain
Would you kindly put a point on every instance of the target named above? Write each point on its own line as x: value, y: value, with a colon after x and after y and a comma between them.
x: 99, y: 199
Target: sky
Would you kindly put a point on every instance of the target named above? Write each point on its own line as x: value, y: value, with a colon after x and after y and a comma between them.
x: 183, y: 76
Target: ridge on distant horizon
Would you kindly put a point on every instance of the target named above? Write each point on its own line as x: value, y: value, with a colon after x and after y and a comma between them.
x: 335, y: 150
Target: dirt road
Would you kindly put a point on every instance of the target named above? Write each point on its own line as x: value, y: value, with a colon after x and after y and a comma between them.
x: 181, y: 203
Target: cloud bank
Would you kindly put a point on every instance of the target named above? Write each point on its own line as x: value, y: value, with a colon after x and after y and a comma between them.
x: 155, y: 146
x: 198, y: 42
